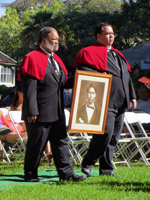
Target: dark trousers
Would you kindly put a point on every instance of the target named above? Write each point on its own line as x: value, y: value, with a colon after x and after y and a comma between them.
x: 102, y: 146
x: 38, y: 135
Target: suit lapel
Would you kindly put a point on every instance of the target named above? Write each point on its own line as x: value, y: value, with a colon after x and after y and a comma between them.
x: 112, y: 60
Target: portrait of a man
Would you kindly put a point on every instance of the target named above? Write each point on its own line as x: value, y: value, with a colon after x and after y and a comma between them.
x: 89, y: 112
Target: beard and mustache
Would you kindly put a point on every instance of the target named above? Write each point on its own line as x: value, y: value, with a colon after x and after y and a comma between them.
x: 52, y: 47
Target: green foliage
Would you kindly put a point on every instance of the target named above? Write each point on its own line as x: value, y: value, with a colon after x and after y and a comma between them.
x: 4, y: 90
x: 75, y: 22
x: 10, y: 27
x: 19, y: 30
x: 132, y: 24
x: 103, y: 6
x: 33, y: 25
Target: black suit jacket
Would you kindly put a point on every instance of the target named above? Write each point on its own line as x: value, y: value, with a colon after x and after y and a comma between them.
x: 122, y: 88
x: 82, y: 116
x: 43, y: 98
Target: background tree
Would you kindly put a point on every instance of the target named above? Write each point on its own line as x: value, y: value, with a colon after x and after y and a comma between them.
x: 10, y: 27
x: 90, y: 5
x: 75, y: 21
x: 19, y: 32
x: 132, y: 24
x: 34, y: 21
x: 23, y: 5
x: 103, y: 6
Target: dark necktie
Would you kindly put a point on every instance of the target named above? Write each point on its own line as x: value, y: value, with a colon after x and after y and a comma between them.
x: 90, y: 106
x: 54, y: 64
x: 115, y: 56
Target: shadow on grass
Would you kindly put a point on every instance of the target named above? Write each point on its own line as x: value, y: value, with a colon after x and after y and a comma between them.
x: 129, y: 186
x: 124, y: 186
x: 104, y: 184
x: 20, y: 178
x: 120, y: 186
x: 12, y: 178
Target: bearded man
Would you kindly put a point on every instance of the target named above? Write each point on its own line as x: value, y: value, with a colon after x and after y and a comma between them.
x: 43, y: 74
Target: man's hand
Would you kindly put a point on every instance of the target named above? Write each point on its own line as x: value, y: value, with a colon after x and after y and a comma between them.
x: 32, y: 119
x: 133, y: 103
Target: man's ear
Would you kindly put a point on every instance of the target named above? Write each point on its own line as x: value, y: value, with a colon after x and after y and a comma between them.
x: 43, y: 40
x: 98, y: 36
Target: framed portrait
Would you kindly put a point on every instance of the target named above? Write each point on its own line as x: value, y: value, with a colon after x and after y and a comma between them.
x: 89, y: 102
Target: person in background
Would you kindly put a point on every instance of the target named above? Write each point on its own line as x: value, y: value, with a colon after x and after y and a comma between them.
x: 43, y: 74
x: 101, y: 57
x: 67, y: 95
x: 17, y: 100
x: 143, y: 103
x: 8, y: 99
x: 7, y: 134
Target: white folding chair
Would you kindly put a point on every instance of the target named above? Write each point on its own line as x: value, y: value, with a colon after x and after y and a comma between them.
x: 134, y: 141
x: 4, y: 151
x: 120, y: 155
x: 20, y: 145
x: 143, y: 118
x: 139, y: 138
x: 78, y: 145
x: 5, y: 112
x: 78, y: 142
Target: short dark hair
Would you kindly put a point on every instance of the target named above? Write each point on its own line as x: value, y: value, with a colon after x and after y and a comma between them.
x: 15, y: 97
x: 93, y: 85
x: 99, y: 28
x: 44, y: 32
x: 141, y: 87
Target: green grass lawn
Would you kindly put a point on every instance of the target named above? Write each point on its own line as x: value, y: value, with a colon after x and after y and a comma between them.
x: 130, y: 183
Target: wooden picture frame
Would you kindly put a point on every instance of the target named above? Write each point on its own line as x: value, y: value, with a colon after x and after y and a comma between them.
x: 85, y: 84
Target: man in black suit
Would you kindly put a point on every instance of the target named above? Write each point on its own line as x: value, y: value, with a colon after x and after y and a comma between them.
x: 89, y: 112
x: 101, y: 57
x: 43, y: 75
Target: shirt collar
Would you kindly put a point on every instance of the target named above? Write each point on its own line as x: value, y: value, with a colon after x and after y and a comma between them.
x: 49, y: 54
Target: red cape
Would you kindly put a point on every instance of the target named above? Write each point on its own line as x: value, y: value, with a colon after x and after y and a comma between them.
x: 35, y: 64
x: 96, y: 56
